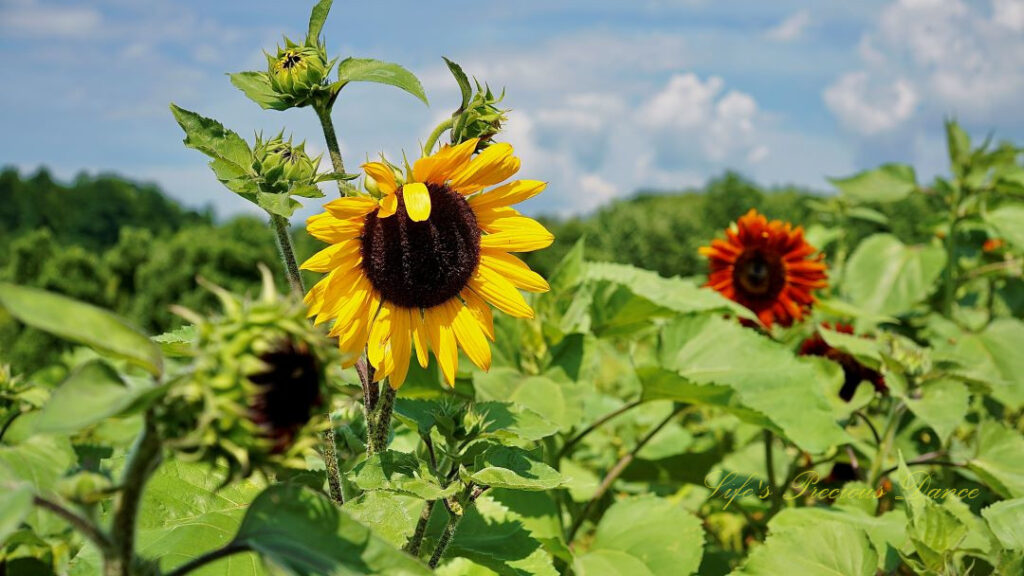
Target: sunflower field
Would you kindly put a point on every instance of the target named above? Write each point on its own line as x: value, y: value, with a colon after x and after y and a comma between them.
x: 421, y: 387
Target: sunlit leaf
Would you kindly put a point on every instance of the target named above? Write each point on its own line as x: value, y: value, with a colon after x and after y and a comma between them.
x: 369, y: 70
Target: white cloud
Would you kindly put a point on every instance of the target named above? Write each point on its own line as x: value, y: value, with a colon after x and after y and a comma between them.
x: 33, y: 19
x: 868, y: 109
x: 790, y: 29
x: 1009, y: 13
x: 968, y: 61
x: 689, y: 111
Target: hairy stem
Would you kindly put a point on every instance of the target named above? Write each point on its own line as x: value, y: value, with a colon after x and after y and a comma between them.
x: 432, y: 139
x: 416, y: 540
x: 331, y: 463
x: 380, y: 427
x: 211, y: 556
x: 88, y: 529
x: 597, y: 424
x: 446, y: 539
x: 142, y: 462
x: 616, y: 471
x: 284, y: 243
x: 323, y: 112
x: 888, y: 437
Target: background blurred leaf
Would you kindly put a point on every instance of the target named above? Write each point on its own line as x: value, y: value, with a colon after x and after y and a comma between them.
x: 644, y: 535
x: 886, y: 276
x: 887, y: 183
x: 821, y: 549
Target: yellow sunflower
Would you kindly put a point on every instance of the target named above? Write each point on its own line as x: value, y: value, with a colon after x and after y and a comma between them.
x: 418, y: 269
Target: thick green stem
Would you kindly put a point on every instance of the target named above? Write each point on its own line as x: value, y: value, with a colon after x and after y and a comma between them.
x: 416, y: 541
x: 432, y: 139
x: 284, y: 243
x: 142, y: 462
x: 331, y: 463
x: 446, y: 539
x: 323, y: 112
x: 379, y: 427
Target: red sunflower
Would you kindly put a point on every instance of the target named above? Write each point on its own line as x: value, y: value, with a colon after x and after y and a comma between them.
x: 853, y: 371
x: 767, y: 267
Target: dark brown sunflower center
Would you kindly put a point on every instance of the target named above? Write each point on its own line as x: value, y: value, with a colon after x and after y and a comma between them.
x: 422, y: 264
x: 288, y: 390
x: 290, y: 60
x: 759, y: 276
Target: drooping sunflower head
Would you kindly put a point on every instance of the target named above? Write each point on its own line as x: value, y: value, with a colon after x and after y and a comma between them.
x: 417, y: 269
x: 767, y: 267
x: 256, y: 384
x: 854, y: 372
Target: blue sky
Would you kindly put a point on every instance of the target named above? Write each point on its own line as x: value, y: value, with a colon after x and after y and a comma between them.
x: 607, y: 97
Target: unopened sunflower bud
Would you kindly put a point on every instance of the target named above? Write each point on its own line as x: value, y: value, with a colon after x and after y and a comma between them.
x: 281, y: 165
x: 481, y: 119
x: 297, y: 70
x: 256, y: 392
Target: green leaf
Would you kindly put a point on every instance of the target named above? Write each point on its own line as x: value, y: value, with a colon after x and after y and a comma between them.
x: 1008, y: 220
x: 705, y: 349
x: 942, y: 405
x: 463, y: 81
x: 959, y: 145
x: 212, y: 138
x: 391, y: 516
x: 177, y: 342
x: 819, y: 549
x: 369, y: 70
x: 644, y: 294
x: 1004, y: 519
x: 865, y: 350
x: 661, y: 384
x: 886, y: 276
x: 256, y: 85
x: 316, y: 20
x: 81, y: 323
x: 186, y: 512
x: 934, y: 531
x: 887, y: 532
x: 887, y: 183
x: 303, y: 533
x: 493, y: 537
x: 993, y: 356
x: 402, y: 473
x: 91, y: 394
x: 514, y: 468
x: 868, y: 215
x: 644, y: 535
x: 279, y: 204
x: 998, y: 460
x: 539, y: 394
x: 15, y: 505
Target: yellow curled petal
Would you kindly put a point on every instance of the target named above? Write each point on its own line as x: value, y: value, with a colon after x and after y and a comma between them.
x: 417, y: 201
x: 383, y: 175
x: 438, y: 167
x: 388, y: 206
x: 480, y: 310
x: 516, y: 234
x: 351, y: 207
x: 495, y: 164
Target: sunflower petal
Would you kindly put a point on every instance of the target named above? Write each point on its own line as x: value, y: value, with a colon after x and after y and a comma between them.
x: 383, y: 175
x: 436, y: 168
x: 419, y: 337
x: 518, y: 234
x: 480, y: 310
x: 518, y: 273
x: 388, y: 206
x: 508, y: 194
x: 329, y: 229
x: 442, y: 340
x: 500, y: 293
x: 417, y: 201
x: 351, y: 207
x: 492, y: 166
x: 470, y: 336
x: 401, y: 344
